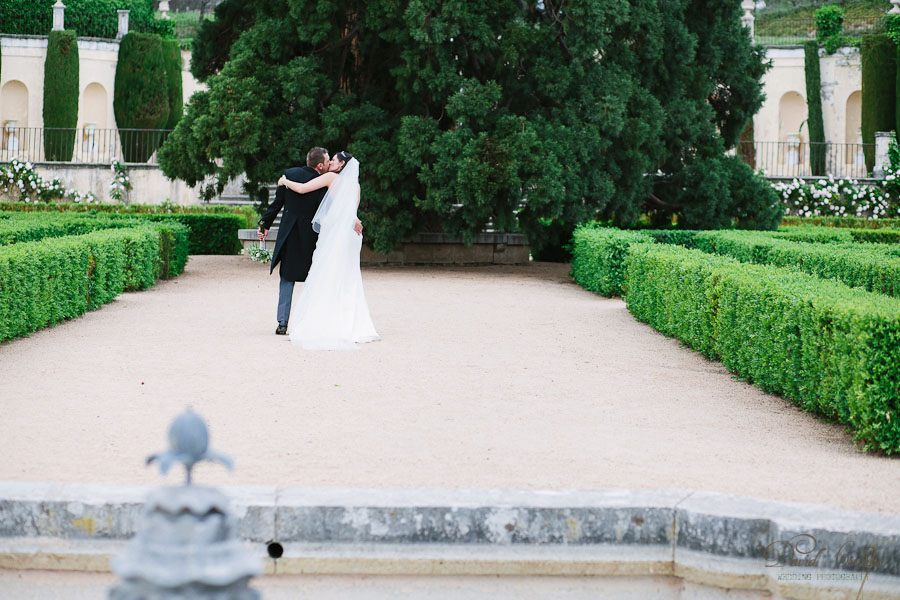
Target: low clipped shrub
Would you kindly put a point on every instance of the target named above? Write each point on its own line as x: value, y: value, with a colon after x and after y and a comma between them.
x: 851, y: 222
x: 29, y: 227
x: 598, y: 257
x: 214, y: 232
x: 829, y: 348
x: 877, y: 236
x: 815, y: 235
x: 54, y: 279
x: 853, y: 264
x: 210, y: 234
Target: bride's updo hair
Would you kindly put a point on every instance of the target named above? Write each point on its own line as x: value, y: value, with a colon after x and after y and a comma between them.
x: 344, y: 157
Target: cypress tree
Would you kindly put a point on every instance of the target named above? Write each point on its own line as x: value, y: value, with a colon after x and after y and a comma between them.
x: 172, y: 51
x: 815, y: 121
x: 879, y: 90
x: 60, y: 95
x: 141, y: 96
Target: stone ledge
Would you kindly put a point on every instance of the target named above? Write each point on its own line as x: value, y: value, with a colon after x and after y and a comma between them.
x: 432, y: 249
x: 709, y: 538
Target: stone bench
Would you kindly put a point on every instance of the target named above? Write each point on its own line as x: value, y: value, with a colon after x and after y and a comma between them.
x: 433, y: 249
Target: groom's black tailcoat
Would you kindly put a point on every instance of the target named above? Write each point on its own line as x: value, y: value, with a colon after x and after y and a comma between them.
x: 296, y: 238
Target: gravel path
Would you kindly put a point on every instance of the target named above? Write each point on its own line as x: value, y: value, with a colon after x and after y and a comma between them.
x: 486, y: 377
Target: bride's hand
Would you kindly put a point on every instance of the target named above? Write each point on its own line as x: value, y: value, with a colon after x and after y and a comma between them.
x: 282, y: 180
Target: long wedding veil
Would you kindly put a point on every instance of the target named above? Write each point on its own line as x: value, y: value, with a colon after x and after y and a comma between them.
x: 338, y: 207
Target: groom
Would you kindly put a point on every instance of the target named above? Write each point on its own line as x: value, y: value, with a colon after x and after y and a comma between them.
x: 296, y: 238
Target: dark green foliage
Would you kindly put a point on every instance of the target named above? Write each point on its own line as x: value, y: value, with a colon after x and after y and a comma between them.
x: 891, y: 25
x: 476, y: 113
x: 829, y: 348
x: 48, y: 281
x: 892, y: 30
x: 598, y: 257
x: 172, y: 52
x: 734, y: 195
x: 60, y: 95
x: 215, y: 37
x: 854, y: 264
x: 815, y: 121
x: 549, y: 241
x: 210, y: 234
x: 141, y: 97
x: 829, y: 25
x: 879, y: 90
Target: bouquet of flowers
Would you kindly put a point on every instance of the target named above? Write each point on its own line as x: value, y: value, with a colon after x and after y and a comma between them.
x: 260, y: 253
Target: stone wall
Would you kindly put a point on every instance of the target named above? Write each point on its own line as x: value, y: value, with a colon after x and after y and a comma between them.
x: 784, y: 109
x: 149, y: 183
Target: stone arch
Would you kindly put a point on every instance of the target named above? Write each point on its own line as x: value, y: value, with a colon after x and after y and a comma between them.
x: 93, y: 123
x: 792, y: 114
x: 852, y: 135
x: 13, y: 115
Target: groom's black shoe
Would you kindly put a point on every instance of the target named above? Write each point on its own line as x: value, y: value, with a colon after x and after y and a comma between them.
x: 281, y: 330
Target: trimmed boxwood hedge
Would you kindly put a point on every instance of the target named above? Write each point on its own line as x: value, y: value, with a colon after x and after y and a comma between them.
x: 856, y: 265
x: 60, y: 95
x: 48, y: 281
x: 210, y: 233
x: 852, y: 222
x: 30, y: 227
x: 598, y: 257
x: 247, y: 212
x: 830, y: 348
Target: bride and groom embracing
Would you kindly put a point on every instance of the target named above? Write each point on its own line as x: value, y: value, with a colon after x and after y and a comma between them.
x: 319, y: 241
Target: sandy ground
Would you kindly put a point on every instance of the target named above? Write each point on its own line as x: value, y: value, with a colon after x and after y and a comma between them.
x: 486, y: 377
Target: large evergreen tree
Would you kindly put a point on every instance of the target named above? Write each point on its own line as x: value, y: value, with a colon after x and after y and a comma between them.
x: 510, y: 113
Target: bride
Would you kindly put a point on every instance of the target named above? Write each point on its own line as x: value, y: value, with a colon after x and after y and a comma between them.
x: 332, y: 313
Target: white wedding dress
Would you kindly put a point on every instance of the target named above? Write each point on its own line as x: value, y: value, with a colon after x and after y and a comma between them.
x: 332, y: 312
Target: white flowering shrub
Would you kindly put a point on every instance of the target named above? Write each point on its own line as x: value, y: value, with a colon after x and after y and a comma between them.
x: 838, y: 198
x: 20, y: 182
x: 119, y: 186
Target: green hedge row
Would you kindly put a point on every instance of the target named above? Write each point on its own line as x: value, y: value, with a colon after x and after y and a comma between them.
x: 856, y: 265
x: 29, y: 227
x: 247, y: 212
x: 830, y: 348
x: 45, y: 282
x: 851, y: 222
x: 211, y: 233
x: 598, y: 257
